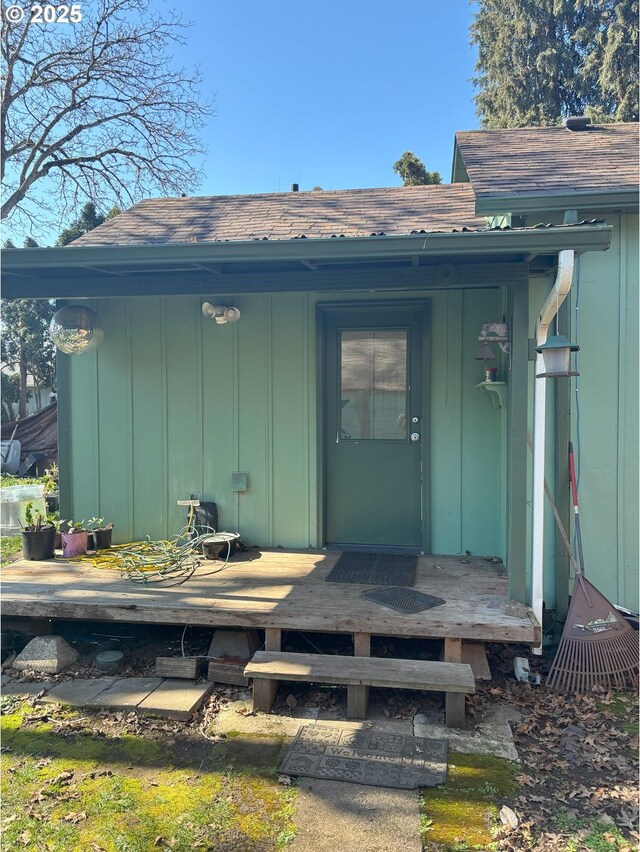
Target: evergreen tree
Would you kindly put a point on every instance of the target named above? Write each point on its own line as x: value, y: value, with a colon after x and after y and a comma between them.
x: 413, y: 172
x: 541, y: 60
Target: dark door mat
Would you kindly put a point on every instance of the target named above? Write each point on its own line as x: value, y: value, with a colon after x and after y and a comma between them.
x: 379, y: 569
x: 402, y: 599
x: 374, y: 758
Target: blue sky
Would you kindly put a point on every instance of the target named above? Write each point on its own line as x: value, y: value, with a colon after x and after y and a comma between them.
x: 327, y: 93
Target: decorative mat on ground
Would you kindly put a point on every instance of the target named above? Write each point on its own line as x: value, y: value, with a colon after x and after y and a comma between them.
x: 375, y: 758
x: 379, y: 569
x: 402, y: 599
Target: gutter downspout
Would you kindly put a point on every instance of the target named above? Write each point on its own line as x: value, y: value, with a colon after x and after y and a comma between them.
x: 559, y: 292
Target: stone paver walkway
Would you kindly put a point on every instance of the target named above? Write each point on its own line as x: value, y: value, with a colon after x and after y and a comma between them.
x: 172, y: 698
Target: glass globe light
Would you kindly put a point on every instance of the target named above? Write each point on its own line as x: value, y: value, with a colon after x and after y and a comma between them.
x: 75, y: 330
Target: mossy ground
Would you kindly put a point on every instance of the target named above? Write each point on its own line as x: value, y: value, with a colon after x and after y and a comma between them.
x: 132, y: 794
x: 461, y: 813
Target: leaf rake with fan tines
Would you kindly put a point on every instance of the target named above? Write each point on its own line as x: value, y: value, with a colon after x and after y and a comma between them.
x: 598, y: 646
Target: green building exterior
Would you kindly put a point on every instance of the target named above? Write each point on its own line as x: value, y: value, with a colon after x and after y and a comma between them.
x: 173, y: 404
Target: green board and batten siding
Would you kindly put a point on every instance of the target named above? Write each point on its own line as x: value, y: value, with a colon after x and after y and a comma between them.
x: 607, y: 302
x: 183, y: 403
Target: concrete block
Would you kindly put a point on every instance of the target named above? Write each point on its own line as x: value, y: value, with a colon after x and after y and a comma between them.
x: 50, y: 654
x: 78, y: 693
x: 228, y: 646
x: 175, y: 699
x: 127, y: 692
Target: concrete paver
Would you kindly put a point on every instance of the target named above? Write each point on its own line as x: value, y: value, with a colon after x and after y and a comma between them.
x: 127, y: 692
x: 175, y: 699
x: 27, y: 687
x: 79, y: 693
x: 492, y: 736
x: 334, y: 815
x: 237, y: 716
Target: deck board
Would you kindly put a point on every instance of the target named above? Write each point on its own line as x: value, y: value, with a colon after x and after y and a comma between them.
x: 271, y: 589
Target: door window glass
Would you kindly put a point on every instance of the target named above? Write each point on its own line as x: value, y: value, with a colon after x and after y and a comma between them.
x: 373, y: 384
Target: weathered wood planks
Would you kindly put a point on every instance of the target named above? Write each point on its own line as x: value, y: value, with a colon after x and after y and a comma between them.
x: 279, y: 590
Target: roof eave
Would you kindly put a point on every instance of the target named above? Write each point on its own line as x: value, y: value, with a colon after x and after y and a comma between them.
x: 596, y: 237
x: 616, y: 201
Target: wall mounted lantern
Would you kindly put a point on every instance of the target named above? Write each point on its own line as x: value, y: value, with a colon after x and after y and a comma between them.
x: 76, y: 330
x: 556, y: 354
x: 220, y: 313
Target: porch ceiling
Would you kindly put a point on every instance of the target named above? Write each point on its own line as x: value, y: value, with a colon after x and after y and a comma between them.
x: 310, y: 264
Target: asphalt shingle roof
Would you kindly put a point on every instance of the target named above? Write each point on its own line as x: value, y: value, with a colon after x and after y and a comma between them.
x: 288, y: 215
x: 541, y: 160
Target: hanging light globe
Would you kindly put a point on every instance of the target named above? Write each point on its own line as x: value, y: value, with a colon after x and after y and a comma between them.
x: 76, y: 330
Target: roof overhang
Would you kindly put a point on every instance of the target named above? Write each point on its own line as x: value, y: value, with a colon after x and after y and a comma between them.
x: 44, y: 272
x: 624, y: 200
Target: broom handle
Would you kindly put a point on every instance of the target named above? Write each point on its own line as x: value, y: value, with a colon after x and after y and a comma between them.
x: 576, y: 512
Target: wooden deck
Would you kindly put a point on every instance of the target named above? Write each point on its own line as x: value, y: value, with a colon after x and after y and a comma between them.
x: 277, y: 589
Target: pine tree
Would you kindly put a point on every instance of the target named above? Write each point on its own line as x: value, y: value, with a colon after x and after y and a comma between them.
x: 413, y: 172
x: 541, y: 60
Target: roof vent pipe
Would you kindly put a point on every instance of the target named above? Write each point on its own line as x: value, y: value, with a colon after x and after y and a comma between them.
x: 577, y: 122
x: 294, y: 187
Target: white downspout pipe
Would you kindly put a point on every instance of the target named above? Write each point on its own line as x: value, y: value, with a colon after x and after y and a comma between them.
x: 559, y: 292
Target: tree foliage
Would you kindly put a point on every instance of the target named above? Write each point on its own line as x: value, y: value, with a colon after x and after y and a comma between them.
x: 94, y: 111
x: 26, y: 346
x: 413, y: 172
x: 88, y: 219
x: 542, y: 60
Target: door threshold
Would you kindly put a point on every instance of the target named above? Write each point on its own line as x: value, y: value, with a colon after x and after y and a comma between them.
x: 374, y: 548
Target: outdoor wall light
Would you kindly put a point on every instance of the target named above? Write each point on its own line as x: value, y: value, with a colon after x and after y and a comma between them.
x: 76, y: 330
x: 220, y: 313
x: 556, y: 353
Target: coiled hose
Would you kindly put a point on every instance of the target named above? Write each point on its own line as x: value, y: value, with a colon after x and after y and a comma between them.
x: 171, y: 562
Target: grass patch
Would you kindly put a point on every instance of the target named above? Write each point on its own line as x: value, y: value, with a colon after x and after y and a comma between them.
x: 69, y: 792
x: 10, y: 545
x: 461, y: 813
x: 590, y: 834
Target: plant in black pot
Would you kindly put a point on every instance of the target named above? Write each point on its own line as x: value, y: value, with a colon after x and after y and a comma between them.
x: 100, y: 533
x: 38, y: 535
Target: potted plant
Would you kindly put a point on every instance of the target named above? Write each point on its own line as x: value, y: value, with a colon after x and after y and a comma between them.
x: 101, y: 534
x: 38, y: 535
x: 74, y: 540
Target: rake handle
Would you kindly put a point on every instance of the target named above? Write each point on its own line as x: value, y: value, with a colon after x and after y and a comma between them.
x: 576, y: 512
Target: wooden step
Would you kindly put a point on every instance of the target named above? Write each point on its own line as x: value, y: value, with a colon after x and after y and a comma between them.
x: 362, y: 671
x: 268, y: 667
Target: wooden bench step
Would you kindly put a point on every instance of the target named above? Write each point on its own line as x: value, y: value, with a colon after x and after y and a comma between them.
x: 362, y: 671
x: 358, y: 674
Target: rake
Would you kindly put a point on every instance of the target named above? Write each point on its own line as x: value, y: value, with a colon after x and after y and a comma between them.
x: 598, y: 646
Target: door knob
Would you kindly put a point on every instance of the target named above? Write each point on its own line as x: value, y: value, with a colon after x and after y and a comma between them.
x: 415, y: 437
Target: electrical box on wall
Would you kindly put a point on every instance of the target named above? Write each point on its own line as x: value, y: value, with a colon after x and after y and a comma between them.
x: 239, y: 481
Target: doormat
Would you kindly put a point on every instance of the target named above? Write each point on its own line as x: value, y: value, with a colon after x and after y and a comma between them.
x: 374, y: 569
x: 402, y: 600
x: 375, y: 758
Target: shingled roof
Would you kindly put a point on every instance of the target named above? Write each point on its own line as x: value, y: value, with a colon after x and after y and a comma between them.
x: 544, y: 160
x: 288, y: 215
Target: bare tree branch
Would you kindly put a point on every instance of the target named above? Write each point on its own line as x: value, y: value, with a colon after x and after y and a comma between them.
x: 96, y: 111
